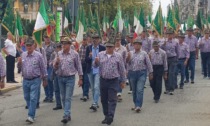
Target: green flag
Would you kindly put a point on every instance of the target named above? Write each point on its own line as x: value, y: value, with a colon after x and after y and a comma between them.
x: 19, y: 26
x: 158, y: 23
x: 8, y: 21
x: 42, y: 22
x: 142, y: 17
x: 199, y: 20
x: 82, y: 26
x: 3, y: 6
x: 170, y: 19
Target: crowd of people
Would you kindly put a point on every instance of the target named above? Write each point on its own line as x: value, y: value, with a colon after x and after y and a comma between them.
x: 104, y: 66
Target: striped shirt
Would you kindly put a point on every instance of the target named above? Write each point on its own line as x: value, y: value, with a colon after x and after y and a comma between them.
x: 70, y: 64
x: 111, y: 67
x: 192, y: 42
x: 159, y: 58
x: 139, y: 61
x: 171, y: 48
x: 33, y: 65
x: 82, y: 52
x: 204, y: 45
x: 184, y: 51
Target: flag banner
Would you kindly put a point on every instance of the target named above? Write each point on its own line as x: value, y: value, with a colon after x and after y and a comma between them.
x: 19, y: 27
x: 42, y: 22
x: 3, y: 6
x: 8, y: 21
x: 58, y: 26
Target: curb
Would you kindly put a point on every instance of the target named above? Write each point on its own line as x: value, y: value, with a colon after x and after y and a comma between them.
x: 10, y: 88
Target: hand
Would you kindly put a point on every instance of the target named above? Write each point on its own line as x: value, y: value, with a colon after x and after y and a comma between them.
x: 80, y: 82
x: 44, y: 83
x: 151, y: 76
x: 196, y: 56
x: 185, y: 63
x: 165, y: 76
x: 58, y: 60
x: 90, y: 54
x: 129, y: 56
x: 122, y: 85
x: 96, y: 60
x: 2, y: 85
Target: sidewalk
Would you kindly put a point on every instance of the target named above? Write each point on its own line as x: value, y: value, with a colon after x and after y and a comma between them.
x: 12, y: 86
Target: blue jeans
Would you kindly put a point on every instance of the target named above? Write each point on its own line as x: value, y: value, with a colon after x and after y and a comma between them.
x: 49, y: 88
x: 180, y: 67
x: 191, y: 66
x: 86, y: 84
x: 67, y: 88
x: 31, y: 89
x: 57, y: 92
x: 95, y: 87
x: 138, y: 79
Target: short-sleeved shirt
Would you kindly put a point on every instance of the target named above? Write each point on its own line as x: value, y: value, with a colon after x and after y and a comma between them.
x: 10, y: 47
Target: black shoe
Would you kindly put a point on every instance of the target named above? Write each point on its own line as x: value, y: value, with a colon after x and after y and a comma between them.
x: 37, y: 106
x: 192, y: 82
x: 10, y: 82
x: 181, y: 87
x: 166, y: 92
x: 109, y: 120
x: 15, y: 81
x: 104, y: 121
x: 156, y: 101
x: 85, y: 98
x: 45, y: 100
x: 50, y: 100
x: 26, y: 107
x: 171, y: 93
x: 94, y: 108
x: 57, y: 108
x: 186, y: 81
x: 65, y: 120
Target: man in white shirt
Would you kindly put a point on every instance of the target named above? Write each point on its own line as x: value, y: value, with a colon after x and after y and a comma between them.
x: 10, y: 51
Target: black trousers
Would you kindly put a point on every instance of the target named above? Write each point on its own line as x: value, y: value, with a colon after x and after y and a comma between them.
x: 109, y: 88
x: 156, y: 83
x: 10, y: 61
x: 205, y: 56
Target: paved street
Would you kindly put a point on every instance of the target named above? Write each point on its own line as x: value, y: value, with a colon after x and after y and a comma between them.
x: 188, y: 107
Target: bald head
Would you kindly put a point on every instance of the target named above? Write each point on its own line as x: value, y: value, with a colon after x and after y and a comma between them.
x: 9, y: 35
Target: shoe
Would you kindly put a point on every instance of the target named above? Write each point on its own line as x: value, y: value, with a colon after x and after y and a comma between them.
x: 119, y: 98
x: 93, y: 107
x: 181, y: 87
x: 45, y: 100
x: 192, y: 82
x: 26, y: 107
x: 57, y: 108
x: 9, y: 81
x: 15, y: 81
x: 156, y: 101
x: 145, y: 87
x: 133, y: 108
x: 186, y: 81
x: 50, y: 100
x: 84, y: 98
x: 138, y: 109
x: 37, y: 106
x: 109, y: 120
x: 30, y: 120
x: 64, y: 120
x: 166, y: 92
x: 171, y: 93
x: 127, y: 83
x: 104, y: 121
x: 129, y: 92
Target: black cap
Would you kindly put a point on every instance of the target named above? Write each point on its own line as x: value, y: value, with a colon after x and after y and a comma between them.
x: 95, y: 35
x: 66, y: 40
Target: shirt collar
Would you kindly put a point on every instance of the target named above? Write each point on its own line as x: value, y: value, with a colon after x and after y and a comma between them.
x: 32, y: 54
x: 96, y: 47
x: 111, y: 55
x: 68, y: 52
